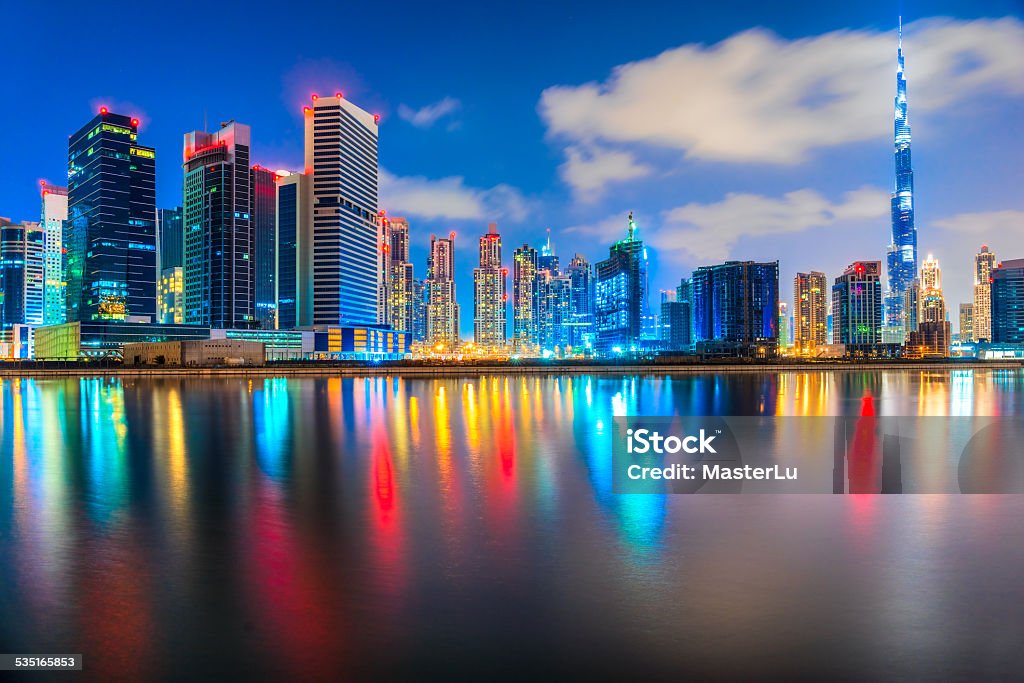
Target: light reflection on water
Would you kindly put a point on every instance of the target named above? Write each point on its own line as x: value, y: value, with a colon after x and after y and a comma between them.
x: 315, y: 528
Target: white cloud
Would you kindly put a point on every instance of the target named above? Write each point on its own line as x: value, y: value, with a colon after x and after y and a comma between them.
x: 449, y: 198
x: 756, y: 97
x: 994, y: 223
x: 588, y: 168
x: 710, y: 231
x: 427, y: 116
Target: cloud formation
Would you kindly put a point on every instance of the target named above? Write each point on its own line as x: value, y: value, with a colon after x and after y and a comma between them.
x: 449, y: 198
x: 588, y: 168
x: 994, y: 223
x: 427, y: 116
x: 759, y: 98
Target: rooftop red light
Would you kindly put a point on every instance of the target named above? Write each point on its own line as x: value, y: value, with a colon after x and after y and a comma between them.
x: 376, y: 118
x: 103, y: 110
x: 315, y: 97
x: 339, y: 95
x: 135, y: 122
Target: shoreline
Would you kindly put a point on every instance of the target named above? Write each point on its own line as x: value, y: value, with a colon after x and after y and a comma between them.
x: 476, y: 370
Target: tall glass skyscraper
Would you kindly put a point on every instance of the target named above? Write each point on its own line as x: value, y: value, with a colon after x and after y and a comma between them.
x: 525, y: 301
x: 218, y: 225
x: 902, y: 256
x: 294, y: 276
x: 857, y: 307
x: 263, y: 185
x: 172, y: 238
x: 54, y: 214
x: 110, y: 235
x: 620, y: 294
x: 341, y: 154
x: 1008, y: 302
x: 21, y: 274
x: 735, y: 307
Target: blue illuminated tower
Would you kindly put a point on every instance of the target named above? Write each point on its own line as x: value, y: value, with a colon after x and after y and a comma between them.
x: 902, y: 257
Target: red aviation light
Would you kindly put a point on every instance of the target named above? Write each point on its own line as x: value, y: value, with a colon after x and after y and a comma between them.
x: 339, y: 95
x: 135, y: 122
x: 859, y: 268
x: 504, y: 297
x: 315, y: 97
x: 376, y: 118
x: 306, y: 110
x: 103, y: 111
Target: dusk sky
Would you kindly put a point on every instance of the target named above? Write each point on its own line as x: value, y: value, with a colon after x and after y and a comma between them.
x: 742, y: 130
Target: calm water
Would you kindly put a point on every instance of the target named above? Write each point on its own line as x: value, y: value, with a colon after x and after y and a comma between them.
x: 321, y: 529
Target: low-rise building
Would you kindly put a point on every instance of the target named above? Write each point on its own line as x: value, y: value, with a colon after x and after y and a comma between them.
x: 196, y: 353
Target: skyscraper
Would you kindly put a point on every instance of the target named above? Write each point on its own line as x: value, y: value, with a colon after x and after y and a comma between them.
x: 419, y: 310
x: 341, y: 155
x: 22, y: 284
x: 110, y: 235
x: 294, y: 277
x: 810, y: 311
x: 218, y: 224
x: 171, y: 296
x: 581, y: 304
x: 400, y: 300
x: 1008, y: 302
x: 966, y: 323
x: 525, y: 301
x: 932, y: 334
x: 54, y: 214
x: 442, y: 306
x: 736, y: 308
x: 263, y: 184
x: 784, y: 341
x: 620, y: 294
x: 172, y: 238
x: 553, y: 302
x: 902, y: 256
x: 489, y: 293
x: 857, y: 307
x: 984, y: 262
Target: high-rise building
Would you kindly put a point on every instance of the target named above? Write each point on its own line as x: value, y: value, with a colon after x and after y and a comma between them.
x: 489, y: 293
x: 902, y: 256
x: 172, y: 239
x: 784, y: 341
x: 218, y: 225
x: 581, y: 304
x: 857, y: 307
x: 675, y: 325
x: 966, y: 323
x: 911, y: 311
x: 341, y: 155
x: 736, y: 308
x: 932, y: 336
x: 55, y: 213
x: 525, y: 301
x: 294, y: 276
x: 984, y: 263
x: 442, y: 306
x: 810, y: 311
x: 1008, y: 302
x: 22, y: 284
x: 110, y: 235
x: 554, y: 294
x: 263, y: 185
x: 620, y: 294
x: 171, y: 296
x: 419, y: 310
x: 400, y: 300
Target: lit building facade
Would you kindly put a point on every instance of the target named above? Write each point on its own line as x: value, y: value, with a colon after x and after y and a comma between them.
x: 341, y: 155
x: 263, y: 185
x: 931, y: 335
x: 620, y: 294
x: 110, y: 234
x: 736, y: 308
x: 171, y: 302
x: 810, y: 311
x: 172, y: 239
x: 442, y: 306
x: 984, y: 263
x: 902, y: 255
x: 525, y: 301
x: 400, y: 298
x: 218, y: 226
x: 784, y: 340
x: 857, y: 307
x: 22, y: 285
x: 581, y: 304
x: 54, y: 214
x: 419, y: 310
x: 1008, y: 302
x: 293, y: 279
x: 966, y: 323
x: 490, y: 297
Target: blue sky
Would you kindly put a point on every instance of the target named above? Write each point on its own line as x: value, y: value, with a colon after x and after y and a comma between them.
x: 732, y: 130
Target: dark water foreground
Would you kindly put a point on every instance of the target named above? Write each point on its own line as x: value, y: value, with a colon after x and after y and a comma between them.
x: 326, y: 529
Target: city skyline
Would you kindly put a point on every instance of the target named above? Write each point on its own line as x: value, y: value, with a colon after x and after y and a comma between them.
x: 763, y: 202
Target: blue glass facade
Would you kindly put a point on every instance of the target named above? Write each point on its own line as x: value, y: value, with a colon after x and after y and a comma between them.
x: 287, y: 266
x: 172, y: 239
x: 620, y: 294
x: 264, y: 214
x: 857, y: 307
x: 1008, y: 303
x: 110, y: 235
x: 737, y: 303
x: 902, y: 256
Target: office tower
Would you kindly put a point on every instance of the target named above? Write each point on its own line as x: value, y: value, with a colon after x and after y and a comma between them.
x: 263, y: 186
x: 171, y: 296
x: 172, y: 239
x: 489, y: 293
x: 555, y: 294
x: 620, y: 294
x: 400, y: 301
x: 1007, y: 295
x: 736, y: 307
x: 442, y: 306
x: 684, y: 293
x: 217, y: 218
x: 419, y: 310
x: 857, y: 307
x: 294, y: 277
x: 931, y: 336
x: 966, y: 323
x: 902, y: 256
x: 341, y: 155
x: 675, y: 325
x: 783, y: 325
x: 581, y: 304
x: 911, y: 311
x: 110, y: 235
x: 984, y: 262
x: 55, y: 213
x: 22, y: 283
x: 810, y: 311
x: 525, y: 301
